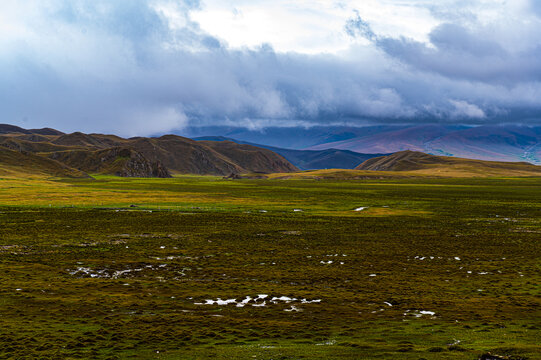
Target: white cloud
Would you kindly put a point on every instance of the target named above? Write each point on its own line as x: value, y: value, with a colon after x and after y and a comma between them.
x: 147, y: 66
x: 309, y: 27
x: 467, y: 110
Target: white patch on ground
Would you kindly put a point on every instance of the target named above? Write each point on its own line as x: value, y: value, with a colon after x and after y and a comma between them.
x: 112, y: 274
x: 328, y: 343
x: 283, y: 298
x: 361, y: 208
x: 419, y: 313
x: 326, y: 262
x: 388, y: 303
x: 372, y: 275
x: 457, y: 258
x: 245, y: 301
x: 293, y: 308
x: 298, y: 210
x: 258, y: 301
x: 304, y: 301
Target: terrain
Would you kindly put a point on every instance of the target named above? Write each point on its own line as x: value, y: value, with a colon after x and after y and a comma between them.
x: 487, y: 142
x: 136, y: 157
x: 309, y: 159
x: 22, y: 164
x: 418, y: 162
x: 201, y: 267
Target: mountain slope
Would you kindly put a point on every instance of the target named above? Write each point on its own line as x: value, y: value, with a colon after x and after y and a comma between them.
x: 117, y: 161
x: 488, y: 142
x: 410, y: 138
x: 185, y: 156
x: 309, y: 159
x: 12, y: 129
x: 93, y: 141
x: 503, y: 143
x: 16, y: 143
x: 289, y: 138
x: 418, y: 162
x: 20, y: 164
x: 495, y: 143
x: 250, y: 157
x: 110, y: 154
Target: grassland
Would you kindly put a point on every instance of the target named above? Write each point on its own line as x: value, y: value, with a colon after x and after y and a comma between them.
x: 430, y: 269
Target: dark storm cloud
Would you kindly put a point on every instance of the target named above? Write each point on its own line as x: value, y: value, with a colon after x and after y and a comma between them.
x: 124, y: 67
x: 455, y: 52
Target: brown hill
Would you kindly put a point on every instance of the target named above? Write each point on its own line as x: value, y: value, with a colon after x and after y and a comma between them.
x: 92, y: 141
x: 108, y: 154
x: 32, y: 137
x: 117, y: 161
x: 421, y: 163
x: 185, y: 156
x: 21, y: 164
x: 12, y: 129
x: 18, y: 143
x: 251, y: 157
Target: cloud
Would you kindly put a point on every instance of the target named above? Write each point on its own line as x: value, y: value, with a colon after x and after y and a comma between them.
x: 455, y: 52
x: 137, y: 67
x: 356, y: 26
x: 465, y: 110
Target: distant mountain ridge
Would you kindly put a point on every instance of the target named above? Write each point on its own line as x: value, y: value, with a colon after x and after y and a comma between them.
x: 487, y: 142
x: 9, y: 129
x: 493, y: 143
x: 414, y: 161
x: 139, y: 157
x: 308, y: 159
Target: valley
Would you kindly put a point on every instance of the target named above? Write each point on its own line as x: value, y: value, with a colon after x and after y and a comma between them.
x: 200, y: 267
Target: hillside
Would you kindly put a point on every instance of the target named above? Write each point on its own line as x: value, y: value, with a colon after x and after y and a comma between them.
x: 252, y: 157
x: 12, y: 129
x: 20, y: 164
x: 487, y: 142
x: 421, y: 163
x: 295, y: 138
x: 117, y: 161
x: 96, y: 141
x: 143, y: 157
x: 493, y: 143
x: 309, y: 159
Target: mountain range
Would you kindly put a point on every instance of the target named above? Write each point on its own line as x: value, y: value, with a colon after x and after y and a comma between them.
x: 421, y: 163
x: 53, y: 153
x: 487, y: 142
x: 414, y: 164
x: 308, y: 159
x: 437, y: 150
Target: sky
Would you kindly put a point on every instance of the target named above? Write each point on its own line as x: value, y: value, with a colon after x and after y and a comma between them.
x: 136, y: 67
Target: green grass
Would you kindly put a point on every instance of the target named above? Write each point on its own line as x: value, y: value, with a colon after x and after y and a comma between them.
x: 215, y: 243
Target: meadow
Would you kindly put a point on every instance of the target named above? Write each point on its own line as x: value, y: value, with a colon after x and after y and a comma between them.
x: 201, y: 267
